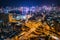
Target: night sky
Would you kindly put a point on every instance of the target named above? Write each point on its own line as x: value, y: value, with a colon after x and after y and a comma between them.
x: 17, y: 3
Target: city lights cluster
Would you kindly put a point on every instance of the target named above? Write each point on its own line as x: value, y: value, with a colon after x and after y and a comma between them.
x: 31, y: 9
